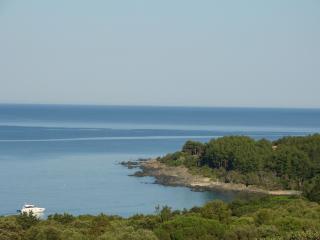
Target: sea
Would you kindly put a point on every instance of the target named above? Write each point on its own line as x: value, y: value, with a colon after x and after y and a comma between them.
x: 66, y: 158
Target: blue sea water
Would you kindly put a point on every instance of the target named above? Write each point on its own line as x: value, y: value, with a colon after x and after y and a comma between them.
x: 66, y: 158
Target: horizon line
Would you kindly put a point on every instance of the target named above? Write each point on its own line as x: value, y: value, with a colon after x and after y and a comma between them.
x: 155, y: 105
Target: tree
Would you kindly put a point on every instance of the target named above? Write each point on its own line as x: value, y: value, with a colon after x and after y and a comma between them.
x: 216, y: 210
x: 164, y: 213
x: 9, y: 229
x: 189, y: 228
x: 27, y: 220
x: 312, y: 189
x: 233, y: 153
x: 193, y: 148
x: 291, y: 163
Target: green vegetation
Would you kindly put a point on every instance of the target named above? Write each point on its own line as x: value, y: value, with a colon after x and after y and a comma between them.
x: 256, y: 218
x: 288, y: 163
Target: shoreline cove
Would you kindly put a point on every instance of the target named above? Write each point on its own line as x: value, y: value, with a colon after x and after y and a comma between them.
x: 180, y: 176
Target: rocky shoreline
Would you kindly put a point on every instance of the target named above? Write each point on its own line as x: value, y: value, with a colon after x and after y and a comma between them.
x: 180, y: 176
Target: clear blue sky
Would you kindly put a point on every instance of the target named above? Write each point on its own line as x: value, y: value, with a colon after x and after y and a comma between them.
x: 261, y: 53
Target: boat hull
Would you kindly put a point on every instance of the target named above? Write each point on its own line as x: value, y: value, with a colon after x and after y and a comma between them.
x: 32, y: 210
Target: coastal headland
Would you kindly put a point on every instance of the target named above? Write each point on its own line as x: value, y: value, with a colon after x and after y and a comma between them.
x: 181, y: 176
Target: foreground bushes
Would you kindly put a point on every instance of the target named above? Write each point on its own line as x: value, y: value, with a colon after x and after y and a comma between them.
x: 257, y: 218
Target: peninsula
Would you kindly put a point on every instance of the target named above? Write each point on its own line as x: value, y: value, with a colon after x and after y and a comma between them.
x: 288, y: 166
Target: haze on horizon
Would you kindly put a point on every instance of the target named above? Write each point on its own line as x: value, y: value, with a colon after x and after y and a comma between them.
x: 174, y: 53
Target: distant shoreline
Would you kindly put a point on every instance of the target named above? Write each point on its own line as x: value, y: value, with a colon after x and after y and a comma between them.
x: 97, y: 105
x: 180, y: 176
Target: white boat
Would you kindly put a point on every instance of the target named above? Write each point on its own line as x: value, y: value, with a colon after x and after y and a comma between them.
x: 30, y: 208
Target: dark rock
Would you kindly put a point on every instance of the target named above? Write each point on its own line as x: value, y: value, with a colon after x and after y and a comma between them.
x: 139, y: 174
x: 130, y: 164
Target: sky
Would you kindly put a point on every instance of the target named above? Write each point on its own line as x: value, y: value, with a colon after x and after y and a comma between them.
x: 249, y: 53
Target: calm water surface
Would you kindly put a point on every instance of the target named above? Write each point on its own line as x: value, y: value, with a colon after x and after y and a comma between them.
x: 66, y: 158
